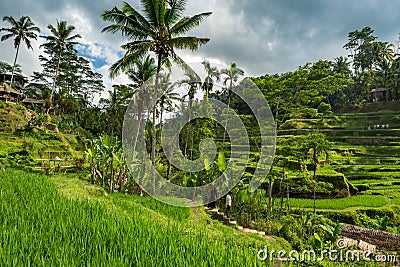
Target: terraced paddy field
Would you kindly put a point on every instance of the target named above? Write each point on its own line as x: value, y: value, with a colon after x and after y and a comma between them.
x: 369, y: 159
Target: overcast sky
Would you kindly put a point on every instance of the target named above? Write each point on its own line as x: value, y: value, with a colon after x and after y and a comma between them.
x: 261, y: 36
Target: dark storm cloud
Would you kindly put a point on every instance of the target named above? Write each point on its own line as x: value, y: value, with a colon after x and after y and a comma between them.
x: 282, y: 35
x: 262, y: 36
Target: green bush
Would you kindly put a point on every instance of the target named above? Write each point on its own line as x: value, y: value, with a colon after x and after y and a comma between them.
x: 324, y: 108
x: 291, y: 230
x: 2, y: 104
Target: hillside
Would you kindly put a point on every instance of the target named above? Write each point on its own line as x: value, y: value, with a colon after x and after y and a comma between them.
x: 31, y: 142
x: 368, y: 159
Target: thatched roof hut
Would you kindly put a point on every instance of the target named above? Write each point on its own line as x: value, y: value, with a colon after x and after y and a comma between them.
x: 380, y: 94
x: 7, y: 93
x: 34, y: 101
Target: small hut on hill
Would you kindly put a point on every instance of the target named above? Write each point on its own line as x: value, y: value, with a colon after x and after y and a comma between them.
x: 18, y: 83
x: 380, y: 94
x: 29, y: 102
x: 11, y: 92
x: 7, y: 93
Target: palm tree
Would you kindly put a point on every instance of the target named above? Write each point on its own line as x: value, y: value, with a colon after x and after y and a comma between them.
x: 212, y: 73
x: 59, y: 42
x: 168, y: 96
x: 158, y: 30
x: 342, y: 65
x: 140, y: 72
x: 23, y: 30
x: 317, y: 145
x: 193, y: 81
x: 113, y: 107
x: 231, y: 75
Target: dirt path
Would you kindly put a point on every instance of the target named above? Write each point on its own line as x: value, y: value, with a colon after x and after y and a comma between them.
x: 194, y: 210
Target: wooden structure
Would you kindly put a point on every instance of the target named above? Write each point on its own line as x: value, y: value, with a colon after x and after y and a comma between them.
x: 29, y: 102
x: 7, y: 93
x: 11, y: 92
x: 19, y: 81
x: 55, y: 168
x: 382, y: 240
x: 380, y: 94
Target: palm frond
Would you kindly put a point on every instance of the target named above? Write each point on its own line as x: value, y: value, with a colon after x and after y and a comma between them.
x: 155, y: 12
x: 177, y: 7
x: 129, y: 22
x: 138, y: 45
x: 126, y: 63
x: 129, y: 11
x: 10, y: 20
x: 193, y: 77
x: 187, y: 42
x: 7, y: 36
x: 187, y: 23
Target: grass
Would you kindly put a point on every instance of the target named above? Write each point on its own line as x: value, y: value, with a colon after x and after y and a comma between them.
x: 396, y: 201
x: 45, y: 224
x: 342, y: 203
x: 386, y: 187
x: 372, y: 182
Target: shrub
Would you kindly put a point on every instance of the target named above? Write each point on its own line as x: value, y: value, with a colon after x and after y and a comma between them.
x: 324, y: 108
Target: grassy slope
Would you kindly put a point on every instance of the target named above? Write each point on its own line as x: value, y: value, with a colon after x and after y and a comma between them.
x: 21, y: 147
x: 76, y: 224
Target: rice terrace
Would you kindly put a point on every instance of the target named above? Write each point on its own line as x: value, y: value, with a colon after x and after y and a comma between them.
x: 199, y: 133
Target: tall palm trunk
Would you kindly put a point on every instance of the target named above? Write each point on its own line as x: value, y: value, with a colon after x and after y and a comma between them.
x: 53, y: 87
x: 226, y: 123
x: 191, y: 96
x: 140, y: 118
x: 270, y: 184
x: 112, y: 175
x: 161, y: 117
x: 15, y: 64
x: 315, y: 184
x: 154, y: 135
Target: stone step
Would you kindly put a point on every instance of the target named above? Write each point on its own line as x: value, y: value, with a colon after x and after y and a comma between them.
x: 261, y: 233
x: 251, y: 231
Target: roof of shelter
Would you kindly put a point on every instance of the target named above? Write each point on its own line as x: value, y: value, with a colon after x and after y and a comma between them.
x: 5, y: 87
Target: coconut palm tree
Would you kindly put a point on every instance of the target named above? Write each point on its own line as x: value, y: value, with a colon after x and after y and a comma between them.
x: 212, y: 73
x: 159, y: 30
x: 317, y: 145
x: 23, y: 30
x: 142, y: 70
x: 231, y: 76
x: 168, y: 96
x: 193, y: 82
x: 342, y: 65
x: 61, y: 40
